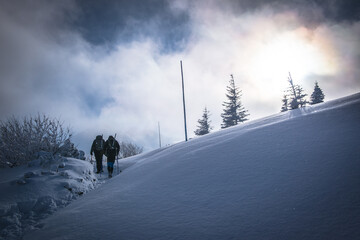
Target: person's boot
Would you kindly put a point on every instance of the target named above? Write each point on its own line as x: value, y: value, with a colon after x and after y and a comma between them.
x: 98, y: 167
x: 110, y: 172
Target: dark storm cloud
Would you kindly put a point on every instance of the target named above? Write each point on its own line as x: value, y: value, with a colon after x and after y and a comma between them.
x: 312, y: 11
x: 112, y: 22
x: 37, y: 68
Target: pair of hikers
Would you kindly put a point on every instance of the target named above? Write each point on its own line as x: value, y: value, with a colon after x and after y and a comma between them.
x: 110, y: 149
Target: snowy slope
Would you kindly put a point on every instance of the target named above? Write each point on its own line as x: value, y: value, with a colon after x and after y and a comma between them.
x: 294, y: 175
x: 31, y: 193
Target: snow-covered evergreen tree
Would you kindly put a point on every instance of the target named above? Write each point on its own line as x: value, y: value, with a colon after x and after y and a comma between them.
x: 204, y: 124
x: 296, y: 95
x: 234, y: 112
x: 284, y: 107
x: 301, y: 96
x: 317, y: 96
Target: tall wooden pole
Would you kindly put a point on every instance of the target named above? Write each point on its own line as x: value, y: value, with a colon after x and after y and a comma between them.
x: 159, y: 135
x: 182, y: 79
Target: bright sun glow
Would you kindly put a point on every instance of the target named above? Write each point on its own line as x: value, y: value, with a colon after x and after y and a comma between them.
x: 288, y: 52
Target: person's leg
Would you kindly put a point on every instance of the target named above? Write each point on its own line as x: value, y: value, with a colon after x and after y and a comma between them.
x: 98, y: 162
x: 110, y: 167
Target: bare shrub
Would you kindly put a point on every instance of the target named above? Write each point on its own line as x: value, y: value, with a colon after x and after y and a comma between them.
x: 22, y: 140
x: 129, y: 149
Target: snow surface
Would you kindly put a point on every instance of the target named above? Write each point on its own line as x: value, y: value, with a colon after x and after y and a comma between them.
x: 32, y: 193
x: 293, y: 175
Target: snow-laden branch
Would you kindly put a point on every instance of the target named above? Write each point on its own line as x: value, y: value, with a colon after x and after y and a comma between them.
x: 22, y: 140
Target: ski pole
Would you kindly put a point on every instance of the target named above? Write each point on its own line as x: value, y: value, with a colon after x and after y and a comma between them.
x: 91, y: 161
x: 117, y: 164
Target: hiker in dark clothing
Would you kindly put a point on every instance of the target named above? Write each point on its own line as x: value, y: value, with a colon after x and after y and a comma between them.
x: 112, y: 149
x: 98, y: 147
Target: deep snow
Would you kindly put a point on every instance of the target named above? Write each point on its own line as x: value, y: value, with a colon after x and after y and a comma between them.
x: 33, y: 192
x: 293, y: 175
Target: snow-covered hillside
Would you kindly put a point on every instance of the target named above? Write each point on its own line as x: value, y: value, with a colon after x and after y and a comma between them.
x: 294, y: 175
x: 33, y: 192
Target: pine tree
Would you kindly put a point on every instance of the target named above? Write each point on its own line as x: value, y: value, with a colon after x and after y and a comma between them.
x: 296, y: 94
x: 301, y: 96
x: 293, y: 97
x: 234, y: 111
x: 317, y: 96
x: 285, y: 101
x: 204, y: 124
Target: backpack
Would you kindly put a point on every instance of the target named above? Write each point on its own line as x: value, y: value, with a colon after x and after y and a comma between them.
x: 111, y: 144
x: 99, y: 143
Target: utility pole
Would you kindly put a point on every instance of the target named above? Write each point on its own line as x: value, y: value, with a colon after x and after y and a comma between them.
x: 159, y: 135
x: 182, y: 79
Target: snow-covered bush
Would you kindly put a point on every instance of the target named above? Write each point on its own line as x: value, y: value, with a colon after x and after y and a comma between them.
x: 129, y: 149
x: 69, y: 150
x: 22, y: 140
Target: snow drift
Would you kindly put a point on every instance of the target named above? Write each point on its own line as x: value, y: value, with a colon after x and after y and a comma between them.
x: 294, y: 175
x: 31, y: 193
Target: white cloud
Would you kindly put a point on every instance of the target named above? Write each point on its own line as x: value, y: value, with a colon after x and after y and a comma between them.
x: 133, y: 87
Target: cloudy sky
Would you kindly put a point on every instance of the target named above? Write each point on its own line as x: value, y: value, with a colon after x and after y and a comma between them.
x: 108, y: 67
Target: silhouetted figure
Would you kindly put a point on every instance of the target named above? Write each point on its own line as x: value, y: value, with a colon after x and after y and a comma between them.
x: 112, y: 149
x: 98, y: 147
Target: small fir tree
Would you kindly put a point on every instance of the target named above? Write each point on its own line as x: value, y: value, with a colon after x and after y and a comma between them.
x: 234, y: 112
x: 204, y: 124
x: 301, y: 96
x: 293, y: 104
x: 284, y: 107
x: 296, y: 95
x: 317, y: 96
